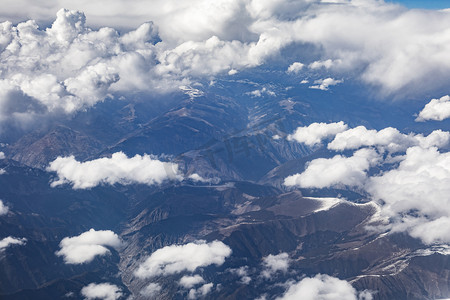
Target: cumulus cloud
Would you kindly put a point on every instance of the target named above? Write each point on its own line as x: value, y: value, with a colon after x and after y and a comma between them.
x: 151, y: 290
x: 2, y: 155
x: 191, y: 281
x: 336, y: 171
x: 242, y: 272
x: 324, y: 84
x: 275, y: 263
x: 314, y: 133
x: 323, y: 287
x: 86, y: 246
x: 388, y: 138
x: 201, y: 291
x: 261, y: 92
x: 295, y: 67
x: 69, y: 66
x: 105, y: 291
x: 3, y: 208
x: 415, y: 194
x: 197, y: 178
x: 116, y: 169
x: 323, y: 64
x: 8, y: 241
x: 178, y: 258
x: 412, y: 188
x: 436, y: 109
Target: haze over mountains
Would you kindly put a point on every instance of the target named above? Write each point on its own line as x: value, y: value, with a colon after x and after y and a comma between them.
x: 227, y: 150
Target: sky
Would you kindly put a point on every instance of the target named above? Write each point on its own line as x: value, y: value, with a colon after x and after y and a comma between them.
x: 427, y: 4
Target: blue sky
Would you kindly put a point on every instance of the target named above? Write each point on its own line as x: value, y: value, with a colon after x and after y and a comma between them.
x: 429, y: 4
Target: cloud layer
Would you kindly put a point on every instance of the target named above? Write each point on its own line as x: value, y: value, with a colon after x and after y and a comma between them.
x: 9, y: 241
x: 323, y: 287
x: 70, y: 66
x: 388, y: 139
x: 117, y: 169
x: 275, y: 263
x: 412, y: 190
x: 178, y: 258
x: 416, y: 193
x: 201, y: 291
x: 337, y: 171
x: 436, y: 109
x: 105, y: 291
x: 3, y: 208
x: 316, y: 132
x: 151, y: 290
x: 191, y: 281
x: 324, y: 84
x: 86, y: 246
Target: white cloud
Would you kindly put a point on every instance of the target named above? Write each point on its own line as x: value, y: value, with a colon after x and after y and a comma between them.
x: 323, y: 64
x: 295, y: 67
x: 415, y: 194
x: 178, y: 258
x: 314, y: 133
x: 336, y: 171
x: 261, y: 92
x: 69, y: 66
x: 191, y: 281
x: 324, y: 84
x: 436, y: 109
x: 386, y: 45
x: 151, y: 290
x: 117, y: 169
x: 275, y: 263
x: 388, y: 138
x: 3, y: 208
x: 8, y: 241
x: 197, y: 178
x: 323, y: 287
x: 201, y: 291
x: 2, y: 155
x: 86, y: 246
x: 105, y: 291
x: 242, y: 272
x: 411, y: 189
